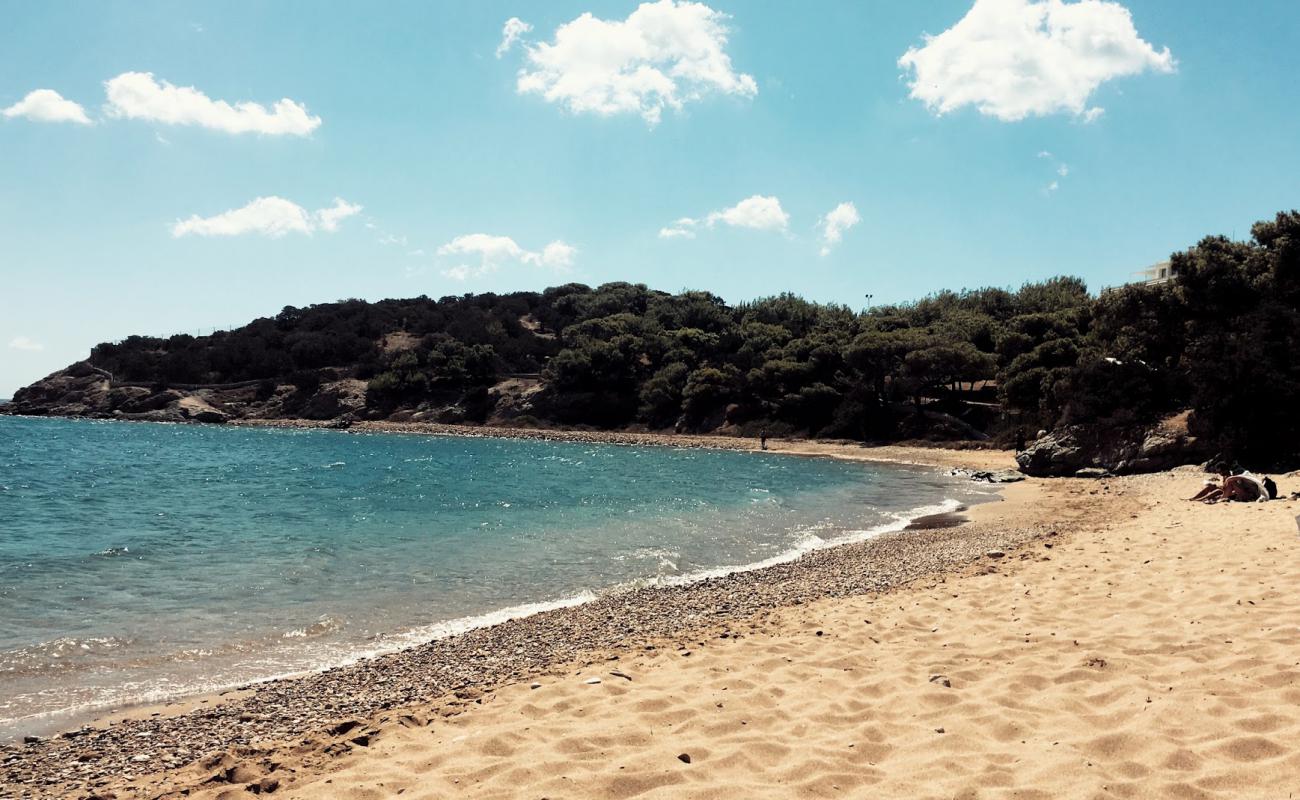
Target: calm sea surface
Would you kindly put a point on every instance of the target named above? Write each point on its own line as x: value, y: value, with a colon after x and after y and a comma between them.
x: 142, y: 562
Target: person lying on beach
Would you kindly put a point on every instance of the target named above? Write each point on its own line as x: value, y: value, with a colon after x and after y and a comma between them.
x: 1243, y: 488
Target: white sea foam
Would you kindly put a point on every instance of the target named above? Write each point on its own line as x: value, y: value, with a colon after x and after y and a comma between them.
x: 810, y: 541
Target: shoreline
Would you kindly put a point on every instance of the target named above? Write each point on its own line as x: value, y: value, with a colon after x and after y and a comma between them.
x: 940, y: 454
x: 283, y: 708
x: 931, y: 517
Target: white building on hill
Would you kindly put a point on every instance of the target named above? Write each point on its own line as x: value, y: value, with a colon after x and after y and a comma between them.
x: 1161, y: 272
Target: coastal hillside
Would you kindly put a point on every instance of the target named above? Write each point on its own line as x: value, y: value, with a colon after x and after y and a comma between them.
x: 1103, y: 373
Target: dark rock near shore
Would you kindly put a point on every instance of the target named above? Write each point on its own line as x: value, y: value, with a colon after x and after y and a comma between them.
x: 1119, y: 451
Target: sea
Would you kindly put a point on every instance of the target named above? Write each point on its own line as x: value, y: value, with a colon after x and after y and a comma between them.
x: 142, y: 563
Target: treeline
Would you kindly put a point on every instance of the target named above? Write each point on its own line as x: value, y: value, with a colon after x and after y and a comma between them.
x: 1220, y: 339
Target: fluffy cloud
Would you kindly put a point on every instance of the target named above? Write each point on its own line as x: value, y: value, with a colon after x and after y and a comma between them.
x: 493, y: 252
x: 1013, y: 59
x: 47, y: 105
x: 510, y: 33
x: 835, y: 223
x: 136, y: 95
x: 328, y: 219
x: 665, y: 54
x: 24, y: 343
x: 757, y: 212
x: 269, y: 216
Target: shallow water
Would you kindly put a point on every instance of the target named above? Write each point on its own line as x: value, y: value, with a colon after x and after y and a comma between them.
x: 143, y: 562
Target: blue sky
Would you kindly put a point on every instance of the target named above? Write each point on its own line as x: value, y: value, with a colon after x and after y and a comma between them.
x: 982, y: 159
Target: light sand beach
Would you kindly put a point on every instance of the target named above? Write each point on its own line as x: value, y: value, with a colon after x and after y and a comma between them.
x: 1153, y: 654
x: 1135, y: 645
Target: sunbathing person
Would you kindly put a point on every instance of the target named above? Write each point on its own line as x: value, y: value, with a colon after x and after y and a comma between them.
x: 1243, y: 488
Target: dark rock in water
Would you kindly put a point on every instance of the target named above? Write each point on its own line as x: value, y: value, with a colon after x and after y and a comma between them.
x: 1119, y: 451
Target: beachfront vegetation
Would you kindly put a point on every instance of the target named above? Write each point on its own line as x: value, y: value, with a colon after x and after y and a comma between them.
x: 1222, y: 339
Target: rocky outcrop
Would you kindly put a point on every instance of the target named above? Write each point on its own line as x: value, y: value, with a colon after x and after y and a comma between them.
x: 513, y: 398
x: 1088, y: 451
x: 336, y: 399
x: 78, y: 391
x: 200, y: 410
x: 83, y: 390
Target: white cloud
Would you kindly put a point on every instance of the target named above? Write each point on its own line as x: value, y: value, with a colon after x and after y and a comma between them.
x: 493, y: 252
x: 835, y: 223
x: 1051, y: 188
x: 557, y: 255
x: 510, y: 33
x: 1013, y: 59
x: 682, y: 228
x: 1063, y: 170
x: 47, y: 105
x: 24, y: 343
x: 268, y: 216
x: 136, y: 95
x: 665, y: 54
x: 328, y: 219
x: 757, y: 212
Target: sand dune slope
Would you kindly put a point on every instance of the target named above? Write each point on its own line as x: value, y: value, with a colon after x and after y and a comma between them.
x: 1157, y: 655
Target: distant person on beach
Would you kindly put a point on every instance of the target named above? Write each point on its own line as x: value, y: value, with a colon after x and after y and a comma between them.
x: 762, y: 438
x: 1020, y: 440
x: 1243, y: 488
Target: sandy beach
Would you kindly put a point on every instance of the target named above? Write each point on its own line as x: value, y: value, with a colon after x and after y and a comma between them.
x: 1078, y: 639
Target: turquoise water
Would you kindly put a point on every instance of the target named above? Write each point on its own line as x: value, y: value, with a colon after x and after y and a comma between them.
x: 142, y: 562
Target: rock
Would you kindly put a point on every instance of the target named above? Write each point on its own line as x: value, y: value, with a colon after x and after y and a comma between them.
x: 336, y: 399
x: 942, y: 680
x: 1118, y: 450
x: 985, y: 476
x: 685, y: 758
x: 994, y: 554
x: 197, y: 409
x: 1092, y: 472
x: 592, y: 681
x: 142, y: 401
